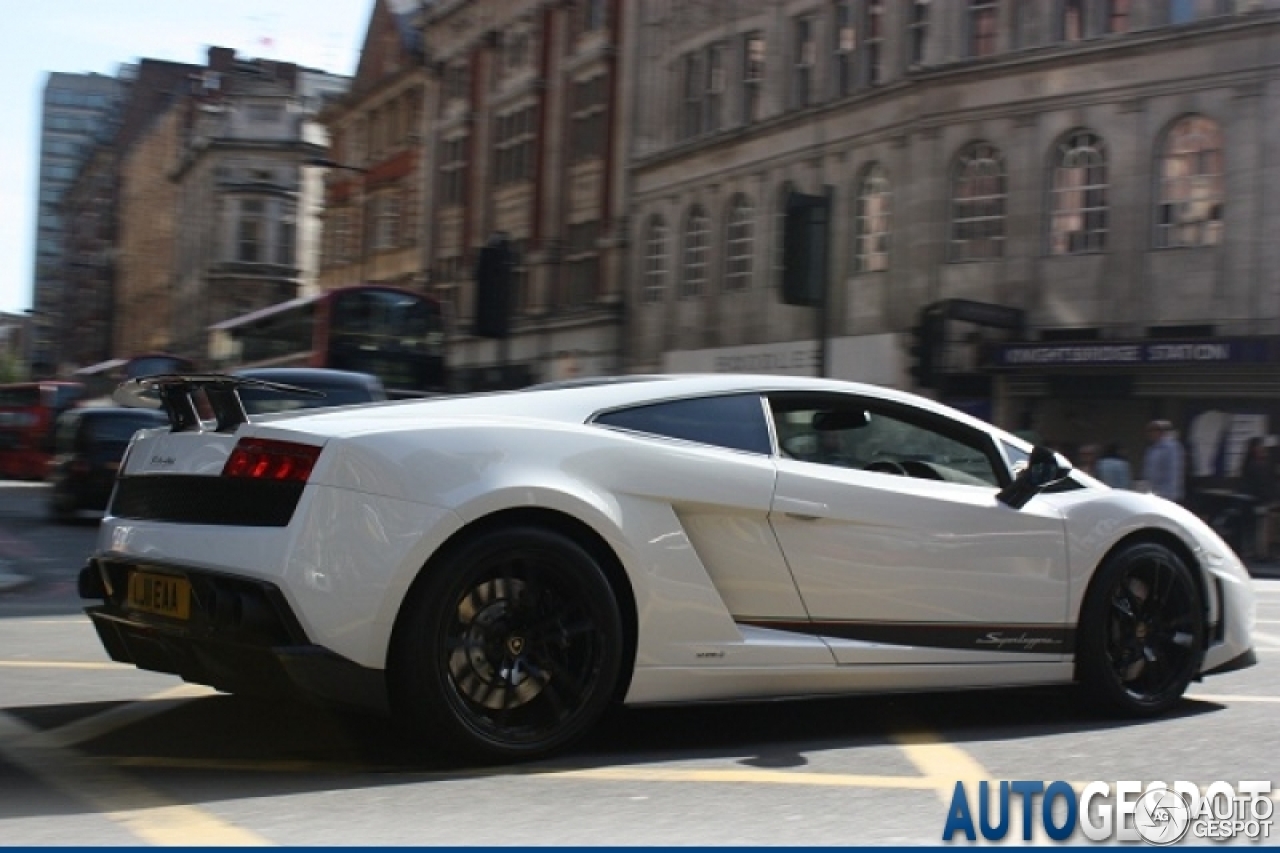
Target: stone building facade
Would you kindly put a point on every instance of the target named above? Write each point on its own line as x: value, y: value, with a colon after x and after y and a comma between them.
x: 524, y: 133
x: 248, y: 137
x: 1083, y: 191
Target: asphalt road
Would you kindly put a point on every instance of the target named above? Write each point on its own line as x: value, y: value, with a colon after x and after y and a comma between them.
x: 94, y: 753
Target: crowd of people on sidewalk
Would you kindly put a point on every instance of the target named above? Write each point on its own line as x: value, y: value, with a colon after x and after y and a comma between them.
x: 1251, y: 506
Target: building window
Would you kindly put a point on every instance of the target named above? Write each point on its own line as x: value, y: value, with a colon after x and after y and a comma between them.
x: 714, y: 101
x: 590, y: 128
x: 582, y: 260
x: 655, y: 261
x: 802, y: 71
x: 386, y: 221
x: 1118, y: 16
x: 453, y: 170
x: 691, y: 121
x: 693, y: 271
x: 264, y: 113
x: 455, y: 82
x: 515, y: 51
x: 846, y: 49
x: 249, y: 234
x: 1191, y: 185
x: 872, y: 220
x: 513, y: 146
x: 918, y: 36
x: 1078, y: 219
x: 1073, y: 23
x: 739, y: 244
x: 977, y: 204
x: 340, y: 241
x: 286, y: 241
x: 982, y: 27
x: 752, y: 76
x: 1182, y: 11
x: 595, y: 15
x: 873, y: 44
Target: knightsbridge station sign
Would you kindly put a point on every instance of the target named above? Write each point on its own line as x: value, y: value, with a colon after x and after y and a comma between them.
x: 1131, y: 353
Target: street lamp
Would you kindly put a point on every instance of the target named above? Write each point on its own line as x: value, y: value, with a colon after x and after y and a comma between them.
x: 326, y: 163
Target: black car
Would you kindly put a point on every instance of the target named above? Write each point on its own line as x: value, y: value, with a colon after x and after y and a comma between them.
x: 340, y: 388
x: 89, y: 444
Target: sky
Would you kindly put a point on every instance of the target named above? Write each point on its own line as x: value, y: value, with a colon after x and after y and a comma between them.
x: 81, y: 36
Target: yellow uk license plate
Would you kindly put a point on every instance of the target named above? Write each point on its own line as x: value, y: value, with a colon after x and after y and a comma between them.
x: 165, y: 595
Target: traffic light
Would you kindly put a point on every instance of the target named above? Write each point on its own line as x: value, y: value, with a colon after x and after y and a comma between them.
x: 927, y: 339
x: 804, y: 249
x: 494, y: 269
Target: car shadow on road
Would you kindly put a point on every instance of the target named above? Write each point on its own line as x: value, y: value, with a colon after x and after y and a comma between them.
x: 228, y: 747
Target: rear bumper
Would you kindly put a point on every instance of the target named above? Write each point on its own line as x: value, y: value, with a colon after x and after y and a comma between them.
x: 240, y: 638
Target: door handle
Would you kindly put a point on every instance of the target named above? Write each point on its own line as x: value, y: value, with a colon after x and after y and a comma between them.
x: 801, y: 509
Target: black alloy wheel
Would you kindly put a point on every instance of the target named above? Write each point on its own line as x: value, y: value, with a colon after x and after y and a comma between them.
x: 510, y: 650
x: 1142, y: 631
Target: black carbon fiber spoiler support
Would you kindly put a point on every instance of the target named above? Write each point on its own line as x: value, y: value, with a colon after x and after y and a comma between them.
x: 180, y: 395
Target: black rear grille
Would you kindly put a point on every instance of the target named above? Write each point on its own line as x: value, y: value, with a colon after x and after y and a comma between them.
x: 186, y: 499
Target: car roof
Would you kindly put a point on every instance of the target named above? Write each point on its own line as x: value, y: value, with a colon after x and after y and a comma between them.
x: 307, y: 377
x: 117, y: 412
x: 578, y: 401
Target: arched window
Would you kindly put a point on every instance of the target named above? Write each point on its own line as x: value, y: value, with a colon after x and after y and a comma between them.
x: 977, y: 204
x: 697, y: 235
x: 872, y: 219
x: 739, y: 243
x: 1078, y: 214
x: 1191, y: 185
x: 655, y: 261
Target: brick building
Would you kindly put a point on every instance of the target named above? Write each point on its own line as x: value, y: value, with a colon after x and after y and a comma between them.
x: 148, y: 227
x: 373, y: 188
x: 524, y: 140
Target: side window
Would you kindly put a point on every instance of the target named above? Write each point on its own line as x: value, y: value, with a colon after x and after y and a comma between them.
x: 872, y: 435
x: 67, y: 427
x: 736, y: 422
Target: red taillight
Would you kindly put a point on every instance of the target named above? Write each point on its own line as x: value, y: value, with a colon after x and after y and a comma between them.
x: 264, y: 459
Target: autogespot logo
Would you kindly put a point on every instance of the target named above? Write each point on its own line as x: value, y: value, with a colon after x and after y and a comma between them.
x: 1156, y: 813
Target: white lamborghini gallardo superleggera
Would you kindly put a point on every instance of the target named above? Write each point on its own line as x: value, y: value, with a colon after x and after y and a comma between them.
x: 495, y: 570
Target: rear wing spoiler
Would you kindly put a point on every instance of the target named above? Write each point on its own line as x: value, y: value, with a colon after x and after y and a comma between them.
x: 192, y: 400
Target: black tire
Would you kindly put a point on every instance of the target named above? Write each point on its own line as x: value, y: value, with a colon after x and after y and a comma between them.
x: 509, y: 650
x: 1140, y: 640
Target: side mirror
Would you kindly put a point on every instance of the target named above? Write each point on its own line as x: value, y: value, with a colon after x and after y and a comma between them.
x: 1044, y: 468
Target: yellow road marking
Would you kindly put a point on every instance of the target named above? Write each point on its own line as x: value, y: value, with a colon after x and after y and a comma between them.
x: 148, y: 814
x: 740, y: 776
x: 942, y: 763
x: 700, y: 775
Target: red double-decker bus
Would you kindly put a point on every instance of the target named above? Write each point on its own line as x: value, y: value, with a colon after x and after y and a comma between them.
x: 390, y: 332
x: 28, y: 411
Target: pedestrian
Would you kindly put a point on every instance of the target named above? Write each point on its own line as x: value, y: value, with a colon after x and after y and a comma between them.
x: 1258, y: 481
x: 1164, y: 462
x: 1087, y: 459
x: 1113, y: 468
